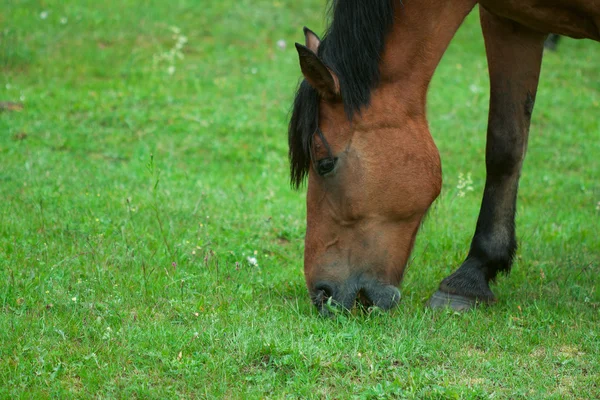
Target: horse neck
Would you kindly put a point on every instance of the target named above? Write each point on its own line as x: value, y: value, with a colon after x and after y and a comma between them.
x: 421, y: 34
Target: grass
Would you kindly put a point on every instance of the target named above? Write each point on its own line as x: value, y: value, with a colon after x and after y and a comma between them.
x: 132, y: 199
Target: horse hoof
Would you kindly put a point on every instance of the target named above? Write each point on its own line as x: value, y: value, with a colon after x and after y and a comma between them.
x: 454, y: 301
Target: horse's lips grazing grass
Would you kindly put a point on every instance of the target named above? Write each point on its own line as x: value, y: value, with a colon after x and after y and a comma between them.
x: 366, y: 292
x: 364, y: 261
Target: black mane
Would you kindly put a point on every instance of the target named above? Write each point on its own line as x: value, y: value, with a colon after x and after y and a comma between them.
x: 351, y: 47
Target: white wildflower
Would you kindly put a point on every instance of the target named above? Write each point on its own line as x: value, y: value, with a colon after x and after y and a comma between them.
x: 107, y: 333
x: 44, y: 14
x: 465, y: 184
x: 252, y: 261
x: 63, y: 20
x: 174, y: 53
x: 281, y: 44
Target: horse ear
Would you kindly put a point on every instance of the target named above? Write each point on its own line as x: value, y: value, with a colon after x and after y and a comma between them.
x: 321, y: 78
x: 311, y: 40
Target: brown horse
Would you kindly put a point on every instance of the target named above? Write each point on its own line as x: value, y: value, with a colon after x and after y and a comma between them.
x: 359, y: 132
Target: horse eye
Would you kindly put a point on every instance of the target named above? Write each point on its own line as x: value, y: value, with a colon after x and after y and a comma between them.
x: 326, y: 165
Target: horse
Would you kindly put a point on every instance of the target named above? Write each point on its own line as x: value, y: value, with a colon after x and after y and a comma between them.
x: 358, y: 134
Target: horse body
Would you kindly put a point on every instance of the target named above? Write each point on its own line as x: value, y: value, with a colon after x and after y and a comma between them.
x: 575, y: 18
x: 374, y: 170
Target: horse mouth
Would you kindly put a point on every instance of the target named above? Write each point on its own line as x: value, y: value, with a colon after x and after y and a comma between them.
x: 330, y: 298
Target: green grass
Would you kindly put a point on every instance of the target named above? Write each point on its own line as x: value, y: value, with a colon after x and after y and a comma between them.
x: 132, y: 199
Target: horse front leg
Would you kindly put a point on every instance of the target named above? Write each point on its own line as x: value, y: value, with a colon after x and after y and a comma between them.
x: 514, y: 55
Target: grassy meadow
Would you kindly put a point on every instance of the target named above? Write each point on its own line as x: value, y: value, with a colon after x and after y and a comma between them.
x: 151, y: 246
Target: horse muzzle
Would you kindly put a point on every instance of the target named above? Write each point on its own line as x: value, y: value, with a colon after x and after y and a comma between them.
x: 328, y: 296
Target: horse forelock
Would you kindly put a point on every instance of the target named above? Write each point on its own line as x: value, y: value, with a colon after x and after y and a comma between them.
x: 303, y: 124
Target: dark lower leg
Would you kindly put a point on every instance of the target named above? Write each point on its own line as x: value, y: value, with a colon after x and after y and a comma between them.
x: 514, y: 59
x: 494, y: 243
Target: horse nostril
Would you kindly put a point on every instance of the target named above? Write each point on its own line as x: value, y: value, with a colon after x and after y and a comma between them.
x: 323, y: 292
x: 324, y: 287
x: 384, y: 297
